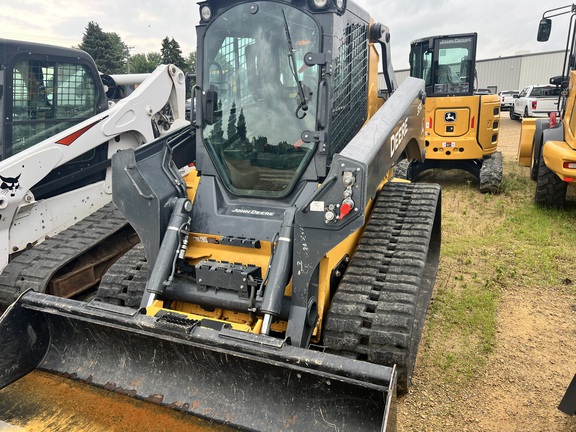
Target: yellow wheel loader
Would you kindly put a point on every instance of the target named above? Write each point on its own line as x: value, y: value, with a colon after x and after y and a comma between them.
x: 461, y: 126
x: 286, y: 278
x: 548, y: 145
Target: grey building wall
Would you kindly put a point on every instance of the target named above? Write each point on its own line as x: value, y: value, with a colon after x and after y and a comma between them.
x: 509, y: 73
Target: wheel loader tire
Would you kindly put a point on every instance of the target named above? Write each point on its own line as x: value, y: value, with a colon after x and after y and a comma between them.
x: 534, y: 162
x: 491, y: 174
x: 125, y: 281
x: 513, y: 115
x: 378, y: 310
x: 550, y: 189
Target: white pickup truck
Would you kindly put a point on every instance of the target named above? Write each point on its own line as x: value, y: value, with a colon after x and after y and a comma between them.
x: 535, y: 101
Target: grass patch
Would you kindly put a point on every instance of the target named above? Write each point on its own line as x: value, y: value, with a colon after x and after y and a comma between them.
x: 490, y: 244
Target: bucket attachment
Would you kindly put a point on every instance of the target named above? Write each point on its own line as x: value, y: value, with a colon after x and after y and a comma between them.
x: 568, y: 402
x: 251, y: 382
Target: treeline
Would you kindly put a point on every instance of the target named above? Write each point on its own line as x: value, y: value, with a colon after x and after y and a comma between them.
x: 112, y: 55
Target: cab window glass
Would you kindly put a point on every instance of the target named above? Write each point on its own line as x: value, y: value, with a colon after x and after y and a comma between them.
x: 48, y: 97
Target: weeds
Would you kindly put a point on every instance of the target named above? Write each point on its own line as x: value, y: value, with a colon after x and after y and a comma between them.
x: 490, y: 243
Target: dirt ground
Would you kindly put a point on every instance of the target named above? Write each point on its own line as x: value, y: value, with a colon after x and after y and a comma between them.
x: 527, y: 373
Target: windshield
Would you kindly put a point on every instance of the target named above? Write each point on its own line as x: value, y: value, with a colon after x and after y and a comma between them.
x: 266, y: 96
x: 446, y: 68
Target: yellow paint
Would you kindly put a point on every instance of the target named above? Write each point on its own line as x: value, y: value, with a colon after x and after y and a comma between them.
x: 526, y: 141
x: 374, y: 102
x: 555, y: 153
x: 474, y: 133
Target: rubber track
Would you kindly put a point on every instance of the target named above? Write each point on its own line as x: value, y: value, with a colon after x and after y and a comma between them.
x: 378, y: 311
x: 35, y: 267
x: 125, y: 281
x: 491, y: 174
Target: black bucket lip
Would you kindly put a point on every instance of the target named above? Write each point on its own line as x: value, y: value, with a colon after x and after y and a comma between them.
x: 296, y: 387
x: 227, y: 341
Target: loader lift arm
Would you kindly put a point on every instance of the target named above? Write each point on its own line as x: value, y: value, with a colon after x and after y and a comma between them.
x: 155, y: 108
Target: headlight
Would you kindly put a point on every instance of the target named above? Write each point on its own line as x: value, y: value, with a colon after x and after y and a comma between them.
x: 205, y: 13
x: 319, y: 4
x: 340, y: 5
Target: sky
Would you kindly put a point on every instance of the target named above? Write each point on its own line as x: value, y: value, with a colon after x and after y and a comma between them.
x: 505, y: 28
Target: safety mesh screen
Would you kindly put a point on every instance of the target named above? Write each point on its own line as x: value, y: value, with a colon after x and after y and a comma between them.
x: 350, y: 86
x: 48, y: 97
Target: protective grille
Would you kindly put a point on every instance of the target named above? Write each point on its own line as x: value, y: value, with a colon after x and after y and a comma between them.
x: 350, y: 86
x: 47, y: 98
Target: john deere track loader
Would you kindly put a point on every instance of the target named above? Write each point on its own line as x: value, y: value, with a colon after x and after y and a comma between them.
x: 461, y: 126
x: 286, y: 279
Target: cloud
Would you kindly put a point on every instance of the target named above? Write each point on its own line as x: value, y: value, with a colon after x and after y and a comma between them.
x: 504, y: 28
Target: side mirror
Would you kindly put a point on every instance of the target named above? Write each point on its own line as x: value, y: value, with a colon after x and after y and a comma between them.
x: 515, y: 96
x: 209, y: 104
x: 544, y: 29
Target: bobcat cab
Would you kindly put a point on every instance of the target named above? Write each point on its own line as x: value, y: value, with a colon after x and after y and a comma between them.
x: 461, y: 126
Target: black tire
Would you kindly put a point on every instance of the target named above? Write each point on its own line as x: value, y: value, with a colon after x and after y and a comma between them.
x: 513, y: 115
x: 379, y: 307
x: 125, y: 281
x: 550, y: 189
x: 526, y: 112
x: 535, y: 161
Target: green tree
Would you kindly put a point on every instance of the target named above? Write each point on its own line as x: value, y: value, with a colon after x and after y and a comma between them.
x: 171, y: 53
x: 120, y: 53
x: 232, y: 122
x: 191, y: 63
x: 241, y: 127
x: 144, y: 63
x: 107, y: 49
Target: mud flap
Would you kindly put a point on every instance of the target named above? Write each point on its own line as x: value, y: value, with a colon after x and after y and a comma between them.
x: 568, y: 402
x: 246, y: 381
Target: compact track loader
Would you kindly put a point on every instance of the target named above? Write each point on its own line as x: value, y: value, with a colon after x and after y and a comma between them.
x: 286, y: 278
x: 461, y: 126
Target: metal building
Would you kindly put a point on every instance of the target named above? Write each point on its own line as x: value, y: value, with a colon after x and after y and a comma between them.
x: 510, y: 73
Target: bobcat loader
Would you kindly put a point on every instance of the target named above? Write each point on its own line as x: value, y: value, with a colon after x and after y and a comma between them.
x: 58, y: 133
x: 461, y: 126
x: 286, y: 278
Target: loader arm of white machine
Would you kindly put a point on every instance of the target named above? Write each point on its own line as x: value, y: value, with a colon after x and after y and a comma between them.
x: 26, y: 221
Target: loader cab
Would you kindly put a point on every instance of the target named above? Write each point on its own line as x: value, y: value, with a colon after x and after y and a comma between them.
x: 254, y: 63
x: 47, y: 89
x: 269, y: 78
x: 446, y: 63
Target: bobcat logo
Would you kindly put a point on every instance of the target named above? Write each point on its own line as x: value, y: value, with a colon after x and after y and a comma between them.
x: 10, y: 185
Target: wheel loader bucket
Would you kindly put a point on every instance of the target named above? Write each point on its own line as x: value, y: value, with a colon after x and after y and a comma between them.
x: 203, y: 368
